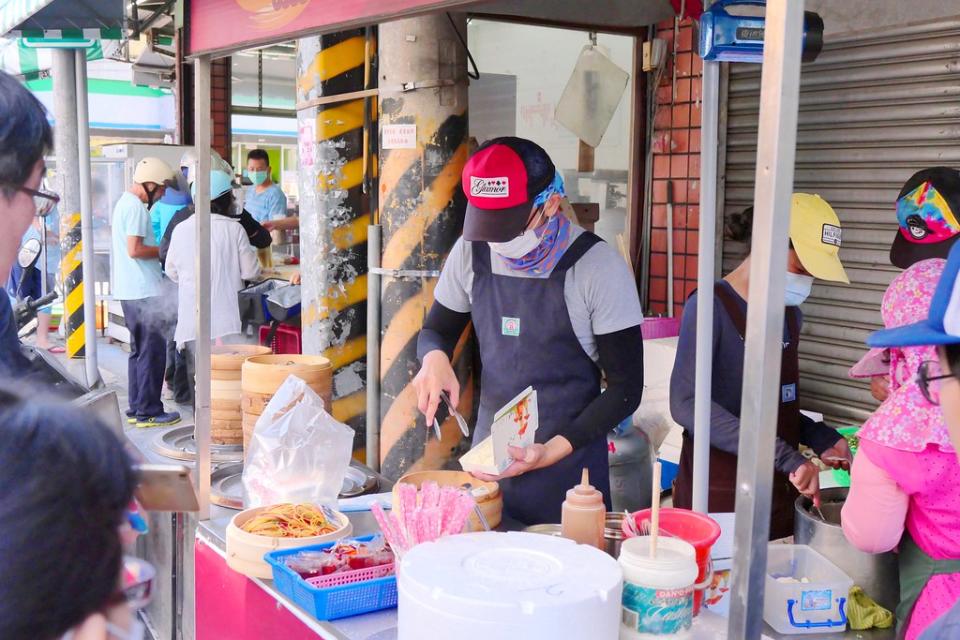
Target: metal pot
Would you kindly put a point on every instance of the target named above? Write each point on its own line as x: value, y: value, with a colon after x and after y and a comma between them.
x: 877, y: 574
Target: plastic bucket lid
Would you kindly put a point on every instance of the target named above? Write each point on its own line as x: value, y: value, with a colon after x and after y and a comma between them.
x: 699, y: 530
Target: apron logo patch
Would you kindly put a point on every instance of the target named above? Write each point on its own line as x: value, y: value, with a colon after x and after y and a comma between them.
x: 788, y: 393
x: 510, y: 326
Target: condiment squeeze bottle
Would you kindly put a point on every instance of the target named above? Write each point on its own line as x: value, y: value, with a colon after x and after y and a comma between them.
x: 583, y: 514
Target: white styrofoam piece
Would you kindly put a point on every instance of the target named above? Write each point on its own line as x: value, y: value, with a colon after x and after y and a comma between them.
x: 488, y: 585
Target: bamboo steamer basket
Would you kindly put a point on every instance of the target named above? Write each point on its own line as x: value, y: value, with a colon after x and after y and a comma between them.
x: 262, y: 375
x: 245, y: 551
x: 226, y: 362
x: 487, y: 494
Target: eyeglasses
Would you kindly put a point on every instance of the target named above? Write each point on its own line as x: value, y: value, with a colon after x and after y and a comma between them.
x: 930, y: 372
x: 43, y: 198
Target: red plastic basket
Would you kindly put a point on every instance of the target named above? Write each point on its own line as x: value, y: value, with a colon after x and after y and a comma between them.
x: 287, y: 339
x: 350, y: 577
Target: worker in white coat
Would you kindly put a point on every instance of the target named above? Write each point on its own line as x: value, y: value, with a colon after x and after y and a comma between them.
x: 232, y: 261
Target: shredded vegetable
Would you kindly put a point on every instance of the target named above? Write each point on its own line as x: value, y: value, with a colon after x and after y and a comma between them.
x: 292, y: 521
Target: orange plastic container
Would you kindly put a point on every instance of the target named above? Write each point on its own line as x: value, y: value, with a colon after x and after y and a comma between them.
x: 699, y: 530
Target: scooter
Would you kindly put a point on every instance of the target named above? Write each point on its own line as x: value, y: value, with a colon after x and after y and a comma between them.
x: 45, y: 369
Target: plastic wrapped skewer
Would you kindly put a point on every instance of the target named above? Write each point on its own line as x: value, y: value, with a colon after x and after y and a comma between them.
x: 424, y: 516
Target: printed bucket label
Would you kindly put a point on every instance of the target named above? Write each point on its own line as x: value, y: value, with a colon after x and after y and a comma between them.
x: 820, y: 600
x: 657, y: 611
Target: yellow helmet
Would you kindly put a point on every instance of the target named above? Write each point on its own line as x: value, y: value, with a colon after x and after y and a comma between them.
x: 152, y: 170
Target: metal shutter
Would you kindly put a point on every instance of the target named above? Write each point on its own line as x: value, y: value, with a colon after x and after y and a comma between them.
x: 874, y: 108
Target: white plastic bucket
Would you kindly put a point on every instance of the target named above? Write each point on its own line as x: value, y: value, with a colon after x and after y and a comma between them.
x: 657, y: 591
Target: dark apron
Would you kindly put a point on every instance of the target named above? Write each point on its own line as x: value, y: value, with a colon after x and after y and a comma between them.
x: 723, y: 466
x: 526, y: 339
x: 916, y: 569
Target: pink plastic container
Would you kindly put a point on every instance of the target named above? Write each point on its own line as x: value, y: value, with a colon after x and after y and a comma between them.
x: 699, y: 530
x: 653, y: 328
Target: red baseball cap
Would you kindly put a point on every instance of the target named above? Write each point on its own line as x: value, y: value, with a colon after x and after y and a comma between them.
x: 501, y: 181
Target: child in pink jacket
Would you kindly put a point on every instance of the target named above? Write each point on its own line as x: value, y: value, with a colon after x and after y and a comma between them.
x: 905, y: 485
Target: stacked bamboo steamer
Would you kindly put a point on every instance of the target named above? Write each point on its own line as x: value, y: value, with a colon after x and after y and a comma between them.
x: 226, y: 418
x: 262, y: 376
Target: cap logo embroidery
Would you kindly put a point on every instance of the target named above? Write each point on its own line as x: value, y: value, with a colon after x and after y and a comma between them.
x: 917, y: 229
x: 490, y: 187
x: 830, y: 235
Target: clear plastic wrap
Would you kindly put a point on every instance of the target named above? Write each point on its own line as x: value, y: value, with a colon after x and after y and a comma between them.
x: 298, y: 452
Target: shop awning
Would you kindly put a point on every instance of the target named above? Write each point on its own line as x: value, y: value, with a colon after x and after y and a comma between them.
x: 259, y: 22
x: 60, y: 19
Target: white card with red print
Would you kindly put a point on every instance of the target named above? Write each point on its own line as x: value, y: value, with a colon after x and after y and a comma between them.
x: 514, y: 425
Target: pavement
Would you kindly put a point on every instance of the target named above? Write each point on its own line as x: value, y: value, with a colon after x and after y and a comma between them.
x: 112, y: 362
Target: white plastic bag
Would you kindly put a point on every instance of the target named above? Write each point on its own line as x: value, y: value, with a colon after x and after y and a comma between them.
x: 298, y: 452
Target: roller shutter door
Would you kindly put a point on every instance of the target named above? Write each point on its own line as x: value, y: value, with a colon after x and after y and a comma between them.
x: 874, y: 108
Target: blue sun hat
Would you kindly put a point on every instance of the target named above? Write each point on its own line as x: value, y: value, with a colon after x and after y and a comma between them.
x: 942, y: 325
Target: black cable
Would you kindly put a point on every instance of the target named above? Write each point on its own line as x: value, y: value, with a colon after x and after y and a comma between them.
x: 476, y: 72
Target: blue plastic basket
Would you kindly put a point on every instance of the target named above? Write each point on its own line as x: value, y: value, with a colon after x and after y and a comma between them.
x: 332, y: 602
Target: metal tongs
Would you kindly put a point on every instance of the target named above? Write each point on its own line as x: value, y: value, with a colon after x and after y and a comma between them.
x: 464, y: 429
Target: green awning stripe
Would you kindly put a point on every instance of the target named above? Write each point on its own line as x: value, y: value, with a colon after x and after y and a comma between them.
x: 113, y: 33
x: 103, y: 87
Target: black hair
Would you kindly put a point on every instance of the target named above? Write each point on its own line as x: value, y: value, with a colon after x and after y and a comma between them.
x: 739, y: 227
x: 258, y: 154
x: 951, y: 353
x: 222, y: 204
x: 25, y: 133
x: 65, y: 483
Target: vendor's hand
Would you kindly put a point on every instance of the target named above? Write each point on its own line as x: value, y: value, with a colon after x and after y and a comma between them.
x: 838, y: 456
x: 806, y: 478
x: 524, y: 460
x: 435, y: 375
x: 880, y: 387
x: 295, y: 278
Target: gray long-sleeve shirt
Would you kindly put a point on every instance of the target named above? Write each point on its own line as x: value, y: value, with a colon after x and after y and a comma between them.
x: 727, y: 388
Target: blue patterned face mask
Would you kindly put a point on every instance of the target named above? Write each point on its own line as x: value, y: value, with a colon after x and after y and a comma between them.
x: 552, y: 238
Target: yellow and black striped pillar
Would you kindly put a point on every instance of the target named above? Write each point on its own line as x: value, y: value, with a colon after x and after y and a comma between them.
x: 423, y: 84
x: 71, y: 271
x: 335, y: 209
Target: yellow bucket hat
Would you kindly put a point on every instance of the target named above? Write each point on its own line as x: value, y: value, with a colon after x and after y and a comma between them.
x: 815, y: 233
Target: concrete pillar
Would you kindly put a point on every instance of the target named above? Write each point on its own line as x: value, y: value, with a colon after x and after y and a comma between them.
x: 335, y: 210
x: 66, y: 142
x: 423, y: 86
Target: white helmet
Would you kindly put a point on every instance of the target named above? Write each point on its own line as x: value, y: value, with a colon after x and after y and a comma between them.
x: 188, y: 165
x: 152, y: 170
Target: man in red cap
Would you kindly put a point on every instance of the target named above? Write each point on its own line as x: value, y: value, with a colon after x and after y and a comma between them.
x: 554, y: 307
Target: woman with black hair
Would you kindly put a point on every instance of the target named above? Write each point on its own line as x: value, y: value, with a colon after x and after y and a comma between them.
x: 65, y: 484
x: 813, y: 253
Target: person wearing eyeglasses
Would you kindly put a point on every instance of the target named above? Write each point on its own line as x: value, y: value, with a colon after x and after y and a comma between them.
x: 25, y: 136
x: 905, y: 482
x: 67, y: 483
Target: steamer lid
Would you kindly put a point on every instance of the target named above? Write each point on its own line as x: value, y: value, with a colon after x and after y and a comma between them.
x: 505, y: 574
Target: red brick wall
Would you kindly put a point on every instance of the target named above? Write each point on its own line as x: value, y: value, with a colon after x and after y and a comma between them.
x: 676, y: 158
x: 220, y: 97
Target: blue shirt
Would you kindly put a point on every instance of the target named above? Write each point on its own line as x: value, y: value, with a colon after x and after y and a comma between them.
x: 727, y: 386
x: 945, y: 627
x: 269, y: 204
x: 132, y: 278
x: 12, y: 362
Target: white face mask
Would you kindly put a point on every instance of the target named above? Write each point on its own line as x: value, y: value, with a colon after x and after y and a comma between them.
x: 137, y: 631
x: 798, y: 289
x: 519, y: 246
